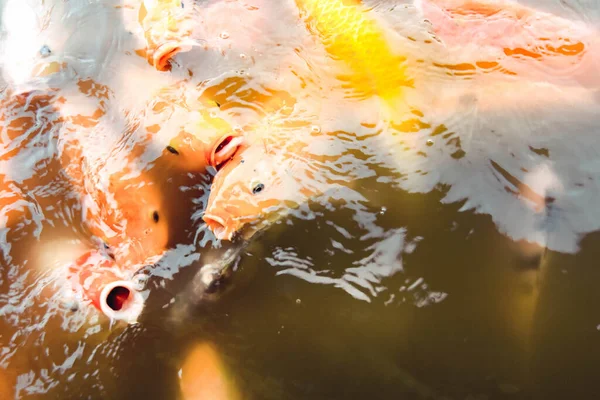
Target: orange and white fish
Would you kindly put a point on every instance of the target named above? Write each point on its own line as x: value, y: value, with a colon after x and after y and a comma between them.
x: 264, y: 180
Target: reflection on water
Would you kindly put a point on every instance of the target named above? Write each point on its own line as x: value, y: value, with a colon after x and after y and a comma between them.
x: 431, y: 242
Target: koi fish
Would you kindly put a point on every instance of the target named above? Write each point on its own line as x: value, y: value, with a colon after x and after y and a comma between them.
x: 125, y: 187
x: 261, y: 183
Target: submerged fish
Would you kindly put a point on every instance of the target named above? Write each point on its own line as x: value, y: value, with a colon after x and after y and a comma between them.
x: 517, y: 40
x: 203, y: 375
x: 356, y: 38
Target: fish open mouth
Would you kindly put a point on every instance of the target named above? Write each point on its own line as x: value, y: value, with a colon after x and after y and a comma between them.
x: 120, y: 300
x: 161, y: 58
x: 224, y: 150
x: 218, y: 226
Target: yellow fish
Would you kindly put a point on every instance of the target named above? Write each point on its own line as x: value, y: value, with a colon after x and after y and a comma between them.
x: 352, y: 36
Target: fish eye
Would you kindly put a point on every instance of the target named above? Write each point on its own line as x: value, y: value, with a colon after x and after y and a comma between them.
x: 258, y: 188
x: 172, y: 150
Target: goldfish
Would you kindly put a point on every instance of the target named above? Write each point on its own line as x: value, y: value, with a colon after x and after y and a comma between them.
x: 121, y: 192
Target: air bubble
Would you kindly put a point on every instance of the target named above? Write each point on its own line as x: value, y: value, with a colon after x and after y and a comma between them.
x: 430, y: 142
x: 382, y: 210
x: 243, y: 56
x: 315, y: 129
x: 224, y: 35
x: 45, y: 51
x: 298, y: 301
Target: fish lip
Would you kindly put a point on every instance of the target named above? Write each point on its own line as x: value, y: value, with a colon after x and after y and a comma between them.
x: 219, y: 226
x: 164, y: 52
x: 235, y: 143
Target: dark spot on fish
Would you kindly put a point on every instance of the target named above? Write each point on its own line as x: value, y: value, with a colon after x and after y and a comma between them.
x: 218, y: 104
x: 242, y: 161
x: 172, y: 150
x: 258, y: 188
x: 541, y: 151
x: 458, y: 154
x: 439, y: 130
x: 155, y: 216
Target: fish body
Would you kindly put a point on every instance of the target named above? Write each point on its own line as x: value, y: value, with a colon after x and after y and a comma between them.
x: 204, y: 375
x: 518, y: 41
x: 351, y: 35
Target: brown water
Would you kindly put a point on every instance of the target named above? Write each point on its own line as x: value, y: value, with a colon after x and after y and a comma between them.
x: 408, y: 274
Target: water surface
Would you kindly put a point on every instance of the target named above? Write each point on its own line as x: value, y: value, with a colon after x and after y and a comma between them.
x: 449, y: 254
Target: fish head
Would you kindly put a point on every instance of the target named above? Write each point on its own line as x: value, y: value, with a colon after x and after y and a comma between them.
x: 134, y: 224
x: 134, y: 215
x: 252, y: 190
x: 167, y: 28
x: 186, y: 153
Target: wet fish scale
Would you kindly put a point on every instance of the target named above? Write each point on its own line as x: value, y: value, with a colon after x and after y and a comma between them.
x: 350, y: 36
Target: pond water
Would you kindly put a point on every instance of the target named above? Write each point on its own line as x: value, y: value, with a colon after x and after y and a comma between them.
x: 439, y: 245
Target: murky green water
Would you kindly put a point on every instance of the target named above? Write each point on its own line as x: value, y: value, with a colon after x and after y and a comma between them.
x: 446, y: 251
